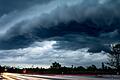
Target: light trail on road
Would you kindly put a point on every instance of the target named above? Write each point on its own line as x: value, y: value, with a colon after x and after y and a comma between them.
x: 15, y: 76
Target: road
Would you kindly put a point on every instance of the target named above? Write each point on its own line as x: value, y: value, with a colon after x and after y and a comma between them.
x: 14, y: 76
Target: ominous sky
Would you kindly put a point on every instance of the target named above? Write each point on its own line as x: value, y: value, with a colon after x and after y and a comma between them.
x: 71, y: 32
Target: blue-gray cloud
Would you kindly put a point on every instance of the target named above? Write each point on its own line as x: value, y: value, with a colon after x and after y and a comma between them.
x: 44, y: 53
x: 74, y: 24
x: 60, y: 18
x: 7, y: 6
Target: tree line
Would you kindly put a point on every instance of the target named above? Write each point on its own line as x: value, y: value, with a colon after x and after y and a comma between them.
x: 56, y: 68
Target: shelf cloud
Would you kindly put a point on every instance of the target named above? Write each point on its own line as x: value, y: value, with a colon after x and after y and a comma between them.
x: 68, y: 25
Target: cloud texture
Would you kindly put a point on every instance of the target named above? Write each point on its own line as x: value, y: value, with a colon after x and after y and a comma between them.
x: 74, y: 25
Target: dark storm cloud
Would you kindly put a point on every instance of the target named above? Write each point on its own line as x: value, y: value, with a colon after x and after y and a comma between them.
x: 91, y: 24
x: 7, y: 6
x: 74, y: 42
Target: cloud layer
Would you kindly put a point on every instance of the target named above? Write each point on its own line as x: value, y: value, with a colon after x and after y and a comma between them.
x: 73, y: 25
x: 44, y: 53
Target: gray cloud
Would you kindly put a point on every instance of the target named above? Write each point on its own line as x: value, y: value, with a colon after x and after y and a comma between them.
x: 75, y: 24
x: 7, y: 6
x: 36, y: 23
x: 45, y: 53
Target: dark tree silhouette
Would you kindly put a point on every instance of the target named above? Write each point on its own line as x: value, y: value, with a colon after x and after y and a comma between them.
x: 56, y: 65
x: 114, y: 56
x: 92, y: 68
x: 103, y: 66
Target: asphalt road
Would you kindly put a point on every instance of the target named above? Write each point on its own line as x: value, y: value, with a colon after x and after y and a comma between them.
x: 14, y: 76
